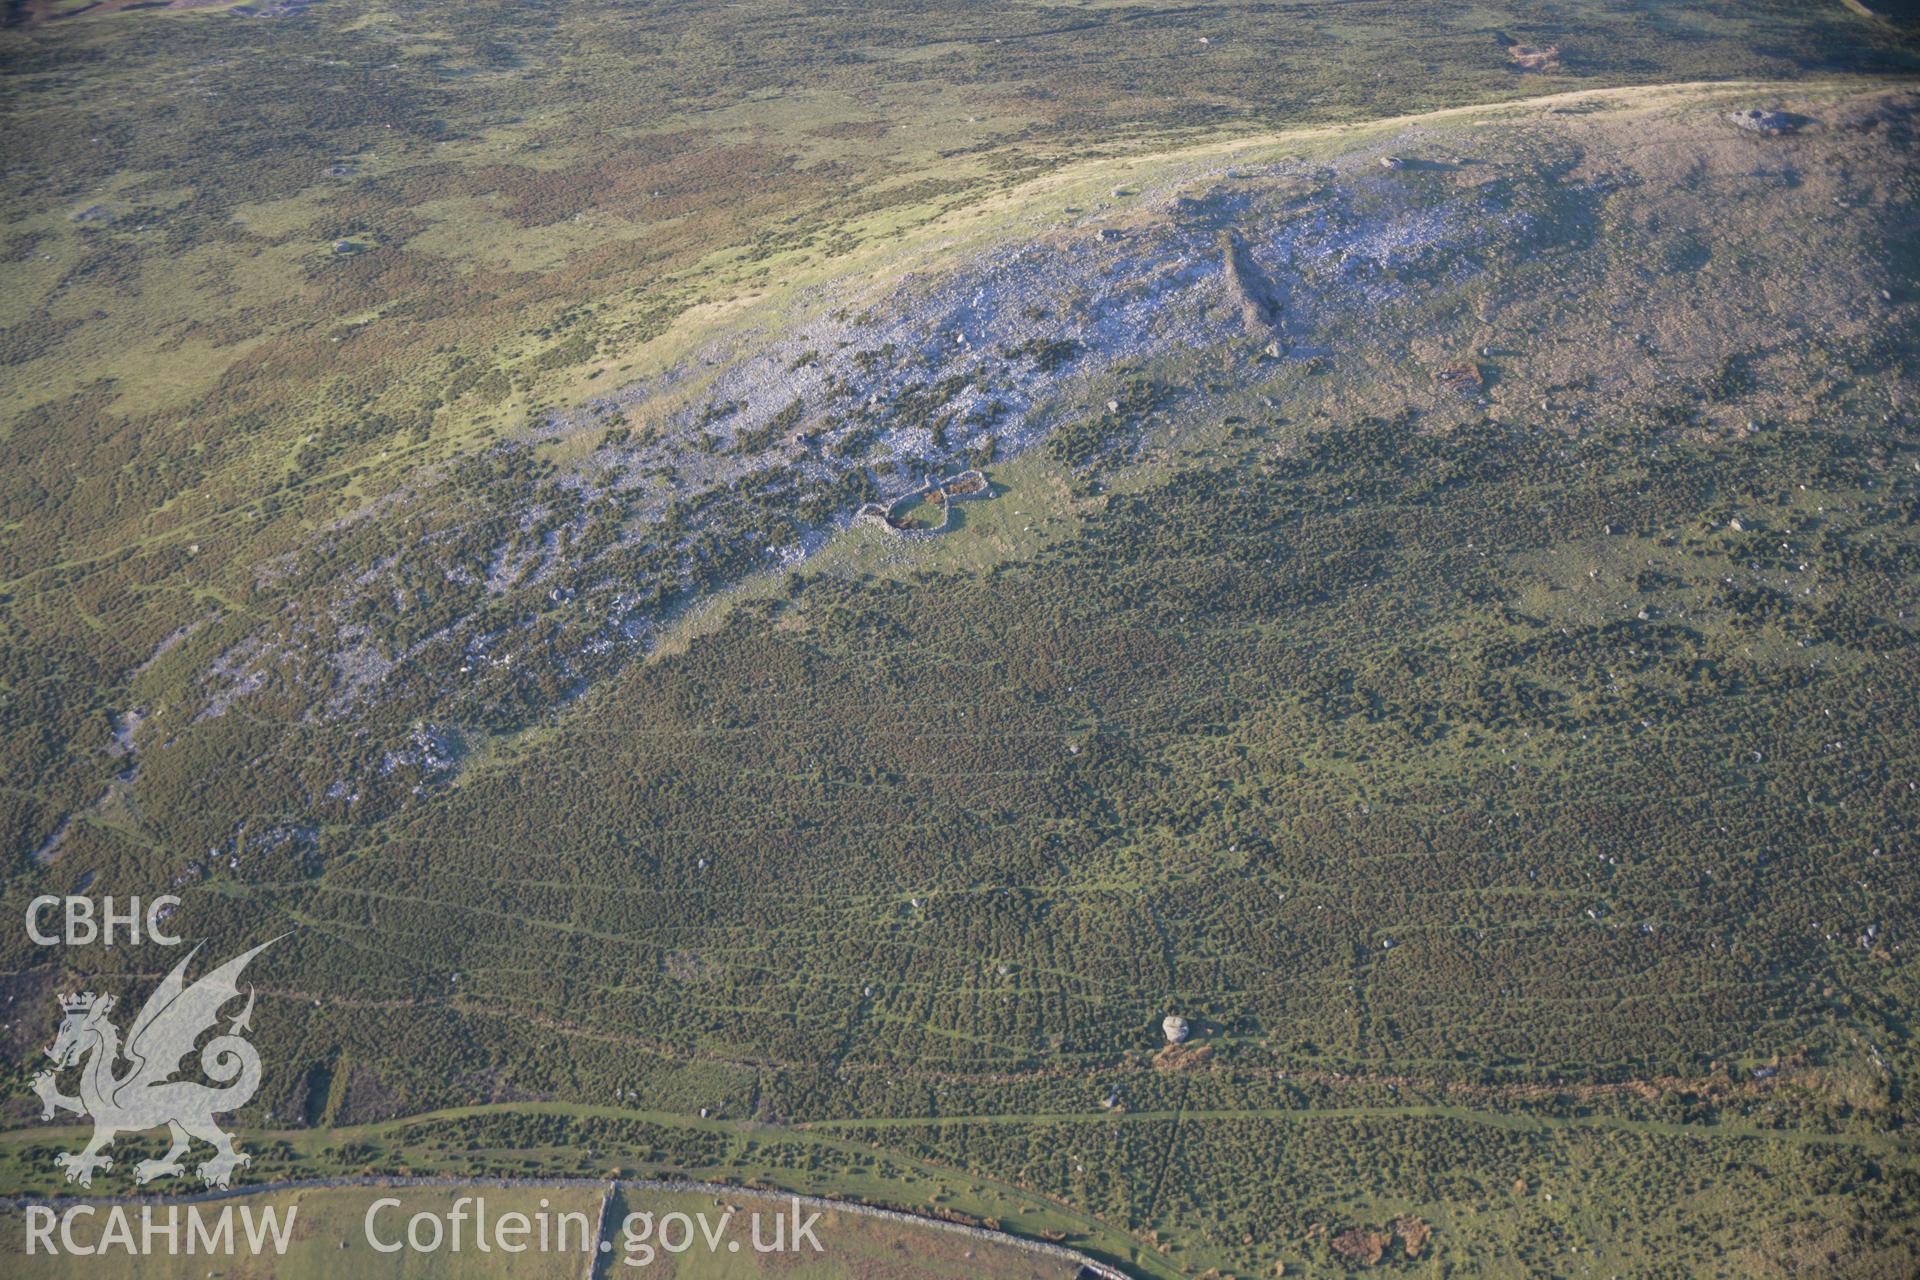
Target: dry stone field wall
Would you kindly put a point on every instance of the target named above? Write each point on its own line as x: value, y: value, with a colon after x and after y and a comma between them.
x: 945, y: 491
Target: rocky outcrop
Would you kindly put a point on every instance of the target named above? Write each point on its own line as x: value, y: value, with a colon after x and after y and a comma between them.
x: 1771, y: 123
x: 1534, y: 57
x: 1461, y: 379
x: 1247, y: 288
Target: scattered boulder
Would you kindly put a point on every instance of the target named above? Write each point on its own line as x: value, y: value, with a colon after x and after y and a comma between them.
x: 1175, y: 1029
x: 1392, y: 162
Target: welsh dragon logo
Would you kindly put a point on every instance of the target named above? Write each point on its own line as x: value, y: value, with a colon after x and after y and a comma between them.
x: 145, y: 1096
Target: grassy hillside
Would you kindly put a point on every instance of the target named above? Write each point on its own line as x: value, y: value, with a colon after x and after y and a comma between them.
x: 1441, y: 621
x: 527, y: 201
